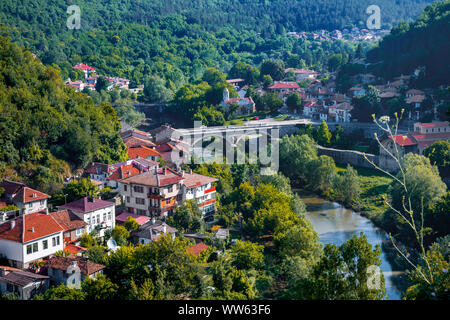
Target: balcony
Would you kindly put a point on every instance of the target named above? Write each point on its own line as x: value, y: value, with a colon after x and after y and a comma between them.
x: 213, y: 189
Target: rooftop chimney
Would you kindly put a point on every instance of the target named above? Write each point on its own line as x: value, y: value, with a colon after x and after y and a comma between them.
x: 32, y: 229
x: 153, y: 220
x: 164, y: 228
x: 190, y: 171
x: 13, y: 224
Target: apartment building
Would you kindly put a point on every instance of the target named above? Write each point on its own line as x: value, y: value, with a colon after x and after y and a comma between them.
x: 159, y: 191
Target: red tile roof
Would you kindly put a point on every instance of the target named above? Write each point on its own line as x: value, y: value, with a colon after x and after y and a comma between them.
x: 165, y: 176
x: 197, y: 249
x: 37, y: 225
x: 82, y: 66
x: 403, y: 140
x: 124, y: 172
x: 194, y: 180
x: 142, y: 152
x: 86, y: 204
x: 73, y: 249
x: 62, y: 263
x: 136, y: 142
x: 435, y: 124
x: 68, y: 220
x: 284, y: 85
x: 29, y: 195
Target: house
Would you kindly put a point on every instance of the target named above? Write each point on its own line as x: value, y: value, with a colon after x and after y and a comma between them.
x: 284, y: 87
x: 174, y: 152
x: 136, y: 138
x: 72, y: 270
x: 25, y: 284
x: 26, y: 199
x: 159, y: 191
x: 415, y: 103
x: 342, y: 112
x: 357, y: 91
x: 414, y: 92
x: 424, y: 135
x: 122, y: 172
x: 152, y: 231
x: 302, y: 74
x: 97, y: 213
x: 85, y: 68
x: 143, y: 152
x: 236, y: 82
x: 97, y: 171
x: 164, y: 133
x: 199, y: 187
x: 198, y: 248
x: 245, y: 105
x: 73, y: 226
x: 221, y: 233
x: 122, y: 218
x: 310, y: 108
x: 30, y: 237
x: 152, y: 193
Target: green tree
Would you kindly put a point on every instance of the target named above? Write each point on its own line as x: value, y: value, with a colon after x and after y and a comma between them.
x: 120, y: 234
x: 347, y: 186
x: 294, y: 101
x: 439, y: 155
x: 102, y: 84
x: 323, y: 135
x: 155, y: 90
x: 100, y: 288
x: 274, y: 68
x: 348, y: 272
x: 247, y: 255
x: 272, y: 102
x: 61, y: 292
x: 131, y: 224
x: 213, y: 76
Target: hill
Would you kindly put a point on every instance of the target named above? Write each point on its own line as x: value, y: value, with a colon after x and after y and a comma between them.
x: 422, y: 43
x: 178, y: 39
x: 47, y: 129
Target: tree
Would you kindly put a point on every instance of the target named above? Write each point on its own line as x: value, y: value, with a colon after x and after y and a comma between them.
x: 299, y: 240
x: 78, y: 189
x: 294, y: 101
x: 274, y: 68
x: 131, y: 224
x: 439, y: 155
x: 323, y: 135
x: 272, y: 102
x: 247, y: 255
x: 347, y: 186
x: 61, y: 292
x: 96, y: 253
x: 348, y: 272
x: 120, y: 234
x: 87, y: 240
x: 422, y: 181
x: 100, y: 288
x: 102, y: 84
x: 295, y: 154
x: 335, y: 62
x: 359, y: 51
x: 267, y: 80
x: 213, y: 76
x: 187, y: 217
x: 155, y: 90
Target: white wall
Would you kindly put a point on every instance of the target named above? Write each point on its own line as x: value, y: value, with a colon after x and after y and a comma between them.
x: 41, y: 253
x: 35, y: 206
x: 11, y: 250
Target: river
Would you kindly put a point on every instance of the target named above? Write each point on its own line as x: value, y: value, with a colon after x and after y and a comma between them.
x: 336, y: 224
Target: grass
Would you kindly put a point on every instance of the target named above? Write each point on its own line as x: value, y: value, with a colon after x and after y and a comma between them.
x: 374, y: 185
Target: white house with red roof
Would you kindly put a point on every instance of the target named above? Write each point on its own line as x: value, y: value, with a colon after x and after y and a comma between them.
x: 159, y: 191
x: 302, y: 74
x: 424, y: 135
x: 97, y: 213
x: 284, y: 87
x: 30, y: 237
x: 245, y: 105
x: 26, y: 199
x: 85, y: 68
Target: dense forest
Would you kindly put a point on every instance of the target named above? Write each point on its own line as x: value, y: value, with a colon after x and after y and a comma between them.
x: 178, y: 40
x: 423, y: 43
x: 46, y: 128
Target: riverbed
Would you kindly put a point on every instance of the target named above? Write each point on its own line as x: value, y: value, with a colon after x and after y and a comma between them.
x: 336, y: 224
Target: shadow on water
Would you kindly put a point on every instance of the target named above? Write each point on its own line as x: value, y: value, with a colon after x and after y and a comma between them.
x: 336, y: 224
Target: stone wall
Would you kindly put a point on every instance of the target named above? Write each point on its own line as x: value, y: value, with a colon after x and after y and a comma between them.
x: 354, y: 158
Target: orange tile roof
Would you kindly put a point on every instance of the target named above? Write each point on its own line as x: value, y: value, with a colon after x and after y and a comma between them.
x: 37, y: 225
x: 68, y: 220
x: 124, y: 172
x: 198, y: 248
x: 142, y: 152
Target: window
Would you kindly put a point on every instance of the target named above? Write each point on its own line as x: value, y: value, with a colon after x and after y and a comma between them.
x: 170, y: 188
x: 98, y: 219
x: 45, y: 244
x: 138, y: 189
x: 140, y: 211
x: 104, y: 216
x: 35, y: 247
x: 109, y: 216
x: 128, y: 199
x: 125, y: 187
x: 30, y: 205
x: 29, y: 249
x: 140, y: 201
x: 42, y: 202
x: 79, y: 231
x: 55, y: 241
x: 89, y: 220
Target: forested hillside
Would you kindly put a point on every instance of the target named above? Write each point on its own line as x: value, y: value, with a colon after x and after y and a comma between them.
x: 422, y: 43
x: 178, y: 39
x: 46, y: 128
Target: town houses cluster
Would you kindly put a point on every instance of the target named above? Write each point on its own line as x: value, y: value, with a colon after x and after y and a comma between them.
x: 90, y: 80
x: 41, y: 243
x: 347, y: 34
